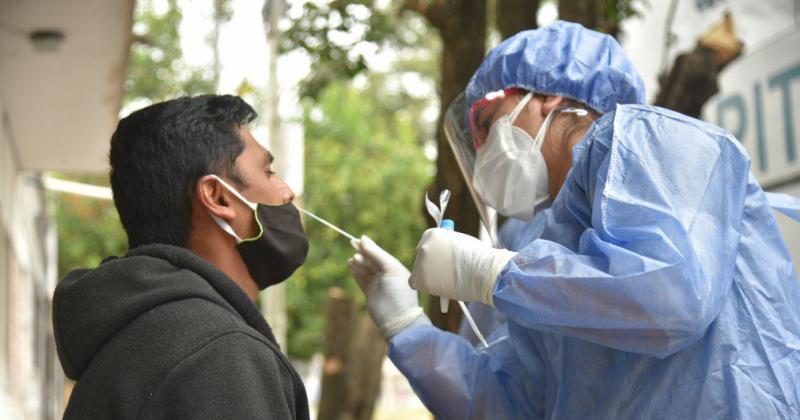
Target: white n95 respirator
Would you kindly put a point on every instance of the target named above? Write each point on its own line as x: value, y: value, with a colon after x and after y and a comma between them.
x: 510, y: 171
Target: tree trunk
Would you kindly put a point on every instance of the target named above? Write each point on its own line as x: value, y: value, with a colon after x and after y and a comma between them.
x: 364, y: 369
x: 340, y: 314
x: 514, y: 16
x: 221, y: 16
x: 692, y: 80
x: 462, y: 28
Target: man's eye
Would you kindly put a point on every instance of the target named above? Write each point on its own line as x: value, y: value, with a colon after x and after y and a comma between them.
x: 270, y: 172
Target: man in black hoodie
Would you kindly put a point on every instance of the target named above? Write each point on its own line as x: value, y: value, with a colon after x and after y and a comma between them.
x: 170, y: 330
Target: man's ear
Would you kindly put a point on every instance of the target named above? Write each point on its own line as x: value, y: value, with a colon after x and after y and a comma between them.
x: 550, y: 103
x: 214, y: 198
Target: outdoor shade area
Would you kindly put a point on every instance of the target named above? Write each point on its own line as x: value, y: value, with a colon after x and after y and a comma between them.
x: 399, y: 209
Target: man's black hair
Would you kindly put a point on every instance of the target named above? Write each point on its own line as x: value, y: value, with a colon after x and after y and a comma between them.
x: 159, y: 152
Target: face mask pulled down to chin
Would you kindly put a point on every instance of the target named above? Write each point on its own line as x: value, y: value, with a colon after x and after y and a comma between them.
x: 279, y: 248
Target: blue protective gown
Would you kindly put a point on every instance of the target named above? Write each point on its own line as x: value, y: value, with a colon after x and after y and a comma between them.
x: 660, y: 287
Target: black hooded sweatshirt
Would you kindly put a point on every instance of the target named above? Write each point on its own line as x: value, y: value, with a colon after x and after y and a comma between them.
x: 163, y: 334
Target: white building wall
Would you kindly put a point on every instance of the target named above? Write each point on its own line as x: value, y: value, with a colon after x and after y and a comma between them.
x: 8, y: 409
x: 30, y: 379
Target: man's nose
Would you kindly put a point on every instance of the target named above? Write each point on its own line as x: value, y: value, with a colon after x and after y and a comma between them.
x: 287, y: 195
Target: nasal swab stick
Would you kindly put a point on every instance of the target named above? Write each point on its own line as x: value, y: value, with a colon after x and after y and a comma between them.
x: 450, y: 225
x: 327, y: 223
x: 472, y: 323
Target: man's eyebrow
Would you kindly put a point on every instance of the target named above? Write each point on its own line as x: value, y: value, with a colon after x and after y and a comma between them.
x: 268, y: 158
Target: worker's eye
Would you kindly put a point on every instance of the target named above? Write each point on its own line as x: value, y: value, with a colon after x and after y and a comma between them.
x: 269, y: 173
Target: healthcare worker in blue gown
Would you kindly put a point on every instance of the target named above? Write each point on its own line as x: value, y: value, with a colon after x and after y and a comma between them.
x: 656, y: 283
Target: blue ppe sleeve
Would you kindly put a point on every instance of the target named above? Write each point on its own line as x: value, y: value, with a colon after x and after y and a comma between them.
x: 458, y: 381
x: 785, y: 204
x: 658, y: 199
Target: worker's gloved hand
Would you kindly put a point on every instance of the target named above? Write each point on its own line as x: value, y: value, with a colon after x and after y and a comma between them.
x: 457, y: 266
x: 392, y: 305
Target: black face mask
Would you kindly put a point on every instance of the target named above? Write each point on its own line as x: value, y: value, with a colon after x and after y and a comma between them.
x: 280, y: 247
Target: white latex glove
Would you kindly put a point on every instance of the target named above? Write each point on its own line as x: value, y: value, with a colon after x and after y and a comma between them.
x: 457, y: 266
x: 392, y: 305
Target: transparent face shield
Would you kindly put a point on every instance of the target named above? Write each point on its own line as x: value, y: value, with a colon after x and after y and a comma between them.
x: 459, y: 126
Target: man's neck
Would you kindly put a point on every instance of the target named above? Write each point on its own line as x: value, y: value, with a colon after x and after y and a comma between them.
x: 227, y: 259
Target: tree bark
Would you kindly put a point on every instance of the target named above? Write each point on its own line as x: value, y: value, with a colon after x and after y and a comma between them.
x: 692, y: 80
x: 514, y: 16
x: 340, y: 314
x: 364, y: 369
x: 221, y: 15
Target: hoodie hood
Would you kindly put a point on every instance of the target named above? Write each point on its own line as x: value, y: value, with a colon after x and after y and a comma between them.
x: 91, y: 306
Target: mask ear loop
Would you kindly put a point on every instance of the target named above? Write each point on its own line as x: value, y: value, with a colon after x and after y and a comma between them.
x: 234, y: 192
x: 518, y: 109
x: 225, y: 225
x: 539, y: 140
x: 227, y: 228
x: 540, y: 135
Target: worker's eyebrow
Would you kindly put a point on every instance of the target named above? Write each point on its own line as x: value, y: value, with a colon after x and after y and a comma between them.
x: 268, y: 158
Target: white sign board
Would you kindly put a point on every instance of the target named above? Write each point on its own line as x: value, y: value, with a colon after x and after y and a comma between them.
x: 759, y: 102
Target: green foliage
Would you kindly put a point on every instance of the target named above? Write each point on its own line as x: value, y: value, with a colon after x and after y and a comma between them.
x: 365, y: 172
x: 156, y: 71
x: 88, y: 229
x: 620, y: 10
x: 338, y: 34
x: 616, y: 11
x: 365, y: 166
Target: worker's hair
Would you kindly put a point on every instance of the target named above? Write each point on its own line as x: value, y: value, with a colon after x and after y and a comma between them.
x: 159, y: 152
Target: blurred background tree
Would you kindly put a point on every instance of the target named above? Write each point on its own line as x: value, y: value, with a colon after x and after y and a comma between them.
x: 156, y: 70
x: 222, y: 14
x: 365, y: 171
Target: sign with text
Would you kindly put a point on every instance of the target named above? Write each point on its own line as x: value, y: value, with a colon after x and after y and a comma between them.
x: 759, y: 102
